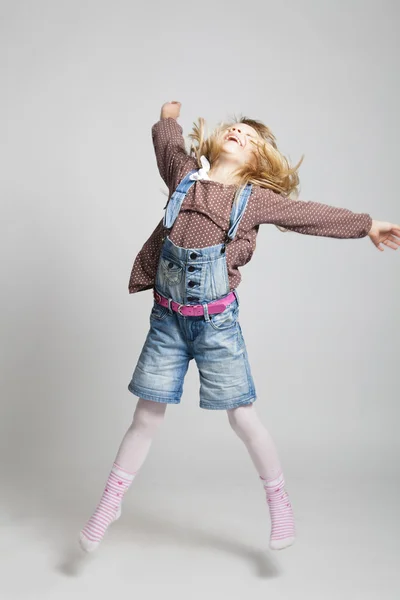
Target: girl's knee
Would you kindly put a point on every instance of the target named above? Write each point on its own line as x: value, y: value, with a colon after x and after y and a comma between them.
x: 151, y: 407
x: 238, y: 417
x: 148, y: 414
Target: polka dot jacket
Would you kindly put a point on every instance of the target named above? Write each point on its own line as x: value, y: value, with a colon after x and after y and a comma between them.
x: 204, y: 216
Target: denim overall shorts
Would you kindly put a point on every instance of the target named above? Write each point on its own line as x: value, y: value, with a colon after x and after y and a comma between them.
x: 214, y: 341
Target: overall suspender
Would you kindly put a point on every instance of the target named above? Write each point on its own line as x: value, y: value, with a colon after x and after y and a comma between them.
x: 174, y: 205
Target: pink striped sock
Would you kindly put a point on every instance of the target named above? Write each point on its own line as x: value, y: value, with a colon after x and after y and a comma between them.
x: 108, y: 509
x: 280, y: 508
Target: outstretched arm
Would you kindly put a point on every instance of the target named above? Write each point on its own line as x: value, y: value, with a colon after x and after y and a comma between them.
x: 168, y: 142
x: 314, y: 218
x: 310, y: 218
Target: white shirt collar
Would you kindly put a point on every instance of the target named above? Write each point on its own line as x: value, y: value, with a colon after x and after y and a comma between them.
x: 202, y: 173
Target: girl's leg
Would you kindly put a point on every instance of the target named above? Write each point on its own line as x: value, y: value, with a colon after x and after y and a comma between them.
x: 131, y: 455
x: 136, y: 443
x: 261, y: 447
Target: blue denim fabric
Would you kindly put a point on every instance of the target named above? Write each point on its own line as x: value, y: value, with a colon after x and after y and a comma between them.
x: 217, y: 345
x: 193, y: 275
x: 215, y: 342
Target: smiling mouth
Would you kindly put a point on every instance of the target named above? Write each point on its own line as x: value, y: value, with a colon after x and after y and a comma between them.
x: 232, y: 138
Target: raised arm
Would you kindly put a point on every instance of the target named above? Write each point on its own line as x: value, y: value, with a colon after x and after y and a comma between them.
x: 310, y: 218
x: 169, y: 144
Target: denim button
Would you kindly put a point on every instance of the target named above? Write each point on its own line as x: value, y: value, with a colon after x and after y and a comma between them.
x: 191, y: 269
x: 193, y: 255
x: 191, y: 283
x: 170, y: 265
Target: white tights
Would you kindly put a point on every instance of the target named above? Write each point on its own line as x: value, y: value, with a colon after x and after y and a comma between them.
x: 137, y: 440
x: 244, y: 421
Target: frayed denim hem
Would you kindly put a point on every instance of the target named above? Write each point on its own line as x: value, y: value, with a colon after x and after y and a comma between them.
x: 142, y: 393
x: 226, y: 406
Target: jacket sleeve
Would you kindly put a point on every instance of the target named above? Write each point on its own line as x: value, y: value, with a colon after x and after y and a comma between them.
x: 169, y: 147
x: 310, y: 218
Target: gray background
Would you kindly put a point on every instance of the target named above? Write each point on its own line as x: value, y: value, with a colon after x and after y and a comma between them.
x: 82, y: 84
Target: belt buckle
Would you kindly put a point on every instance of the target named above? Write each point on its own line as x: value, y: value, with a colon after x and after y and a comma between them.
x: 190, y: 307
x: 157, y: 297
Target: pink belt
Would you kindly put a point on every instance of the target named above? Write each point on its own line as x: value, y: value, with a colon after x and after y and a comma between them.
x: 196, y: 310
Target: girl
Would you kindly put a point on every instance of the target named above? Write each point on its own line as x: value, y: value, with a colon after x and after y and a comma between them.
x: 191, y: 261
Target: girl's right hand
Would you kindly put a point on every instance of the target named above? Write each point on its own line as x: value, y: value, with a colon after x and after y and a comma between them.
x: 171, y: 109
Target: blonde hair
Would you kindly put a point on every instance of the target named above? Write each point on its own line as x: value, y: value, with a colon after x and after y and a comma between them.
x: 271, y: 169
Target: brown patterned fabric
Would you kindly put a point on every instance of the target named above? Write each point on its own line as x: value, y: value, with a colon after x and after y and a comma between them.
x: 204, y: 216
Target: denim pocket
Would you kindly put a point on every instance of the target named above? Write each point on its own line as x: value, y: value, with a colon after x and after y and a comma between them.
x: 227, y: 318
x: 170, y: 272
x: 158, y: 312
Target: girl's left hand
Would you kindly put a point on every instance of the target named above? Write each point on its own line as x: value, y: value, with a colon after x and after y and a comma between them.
x: 386, y: 233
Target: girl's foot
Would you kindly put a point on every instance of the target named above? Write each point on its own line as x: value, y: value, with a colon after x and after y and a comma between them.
x: 280, y: 508
x: 88, y: 545
x: 108, y: 510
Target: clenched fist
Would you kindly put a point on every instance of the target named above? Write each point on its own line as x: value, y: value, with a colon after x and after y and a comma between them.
x: 171, y: 109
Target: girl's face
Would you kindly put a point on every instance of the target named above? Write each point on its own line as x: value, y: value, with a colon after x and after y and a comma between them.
x: 239, y: 140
